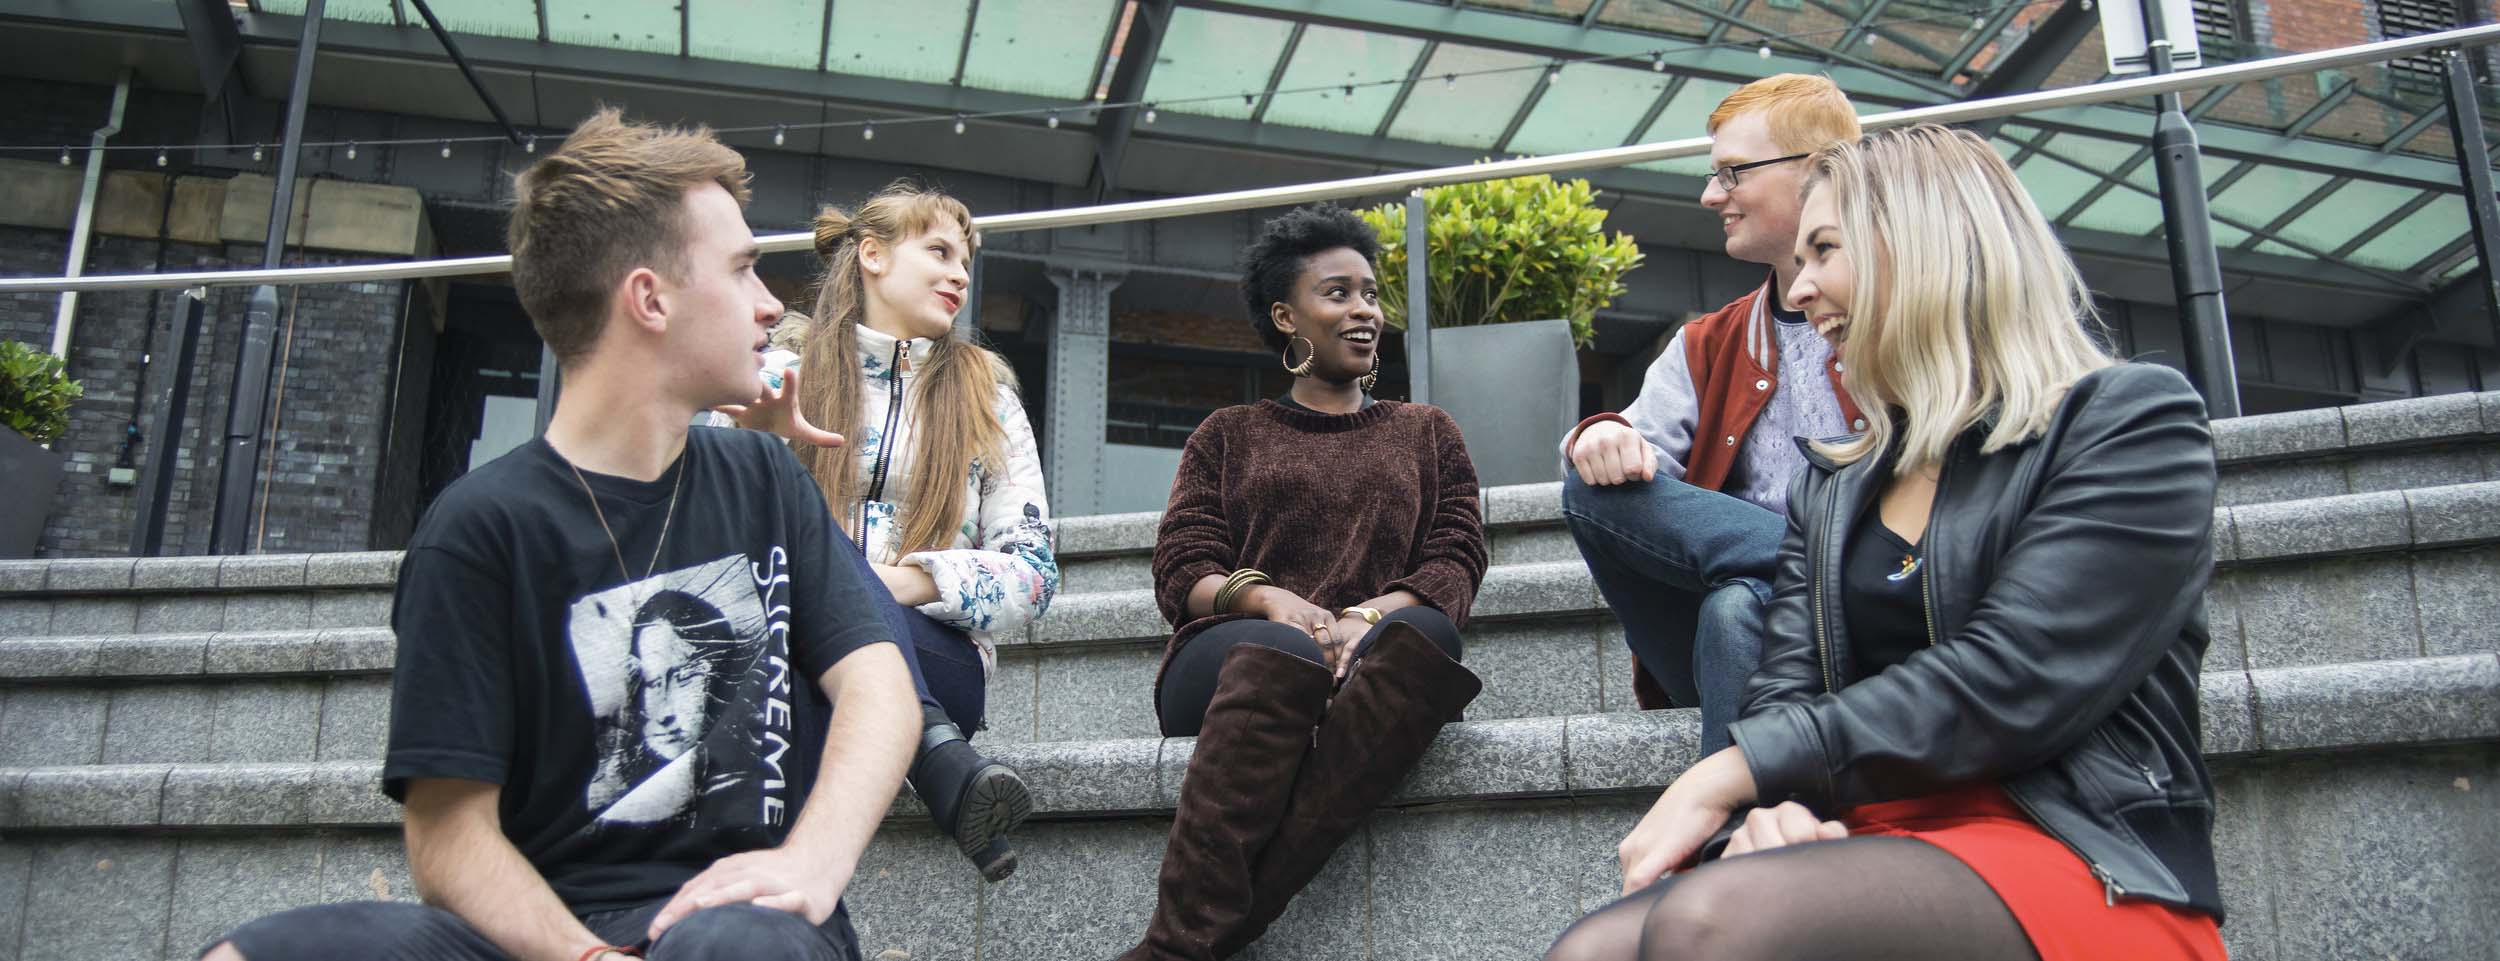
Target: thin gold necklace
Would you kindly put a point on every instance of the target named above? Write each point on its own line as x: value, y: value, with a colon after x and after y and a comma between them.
x: 665, y: 521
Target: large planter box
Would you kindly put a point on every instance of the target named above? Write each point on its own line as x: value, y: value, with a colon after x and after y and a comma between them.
x: 29, y: 478
x: 1514, y: 390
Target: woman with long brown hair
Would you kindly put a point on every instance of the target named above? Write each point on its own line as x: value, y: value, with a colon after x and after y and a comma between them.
x: 936, y: 477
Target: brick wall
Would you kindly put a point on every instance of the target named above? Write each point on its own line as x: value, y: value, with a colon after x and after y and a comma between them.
x: 331, y: 400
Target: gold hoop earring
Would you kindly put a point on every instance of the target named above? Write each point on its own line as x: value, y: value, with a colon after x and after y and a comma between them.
x: 1302, y: 369
x: 1372, y: 379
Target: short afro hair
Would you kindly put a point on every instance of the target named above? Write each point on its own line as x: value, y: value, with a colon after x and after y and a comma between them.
x: 1271, y: 264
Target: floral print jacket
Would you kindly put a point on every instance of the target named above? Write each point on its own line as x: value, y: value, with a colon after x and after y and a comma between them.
x: 999, y: 573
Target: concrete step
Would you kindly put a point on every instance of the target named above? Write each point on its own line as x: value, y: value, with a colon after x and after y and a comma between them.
x: 2338, y: 786
x: 2366, y: 448
x: 2343, y: 579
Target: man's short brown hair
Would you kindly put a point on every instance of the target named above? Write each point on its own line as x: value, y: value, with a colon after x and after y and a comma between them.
x: 610, y: 200
x: 1807, y: 112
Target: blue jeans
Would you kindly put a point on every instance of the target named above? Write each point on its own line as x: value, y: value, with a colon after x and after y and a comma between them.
x: 945, y: 663
x: 1688, y: 572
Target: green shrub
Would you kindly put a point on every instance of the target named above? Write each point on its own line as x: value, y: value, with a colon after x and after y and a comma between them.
x: 35, y: 393
x: 1524, y: 248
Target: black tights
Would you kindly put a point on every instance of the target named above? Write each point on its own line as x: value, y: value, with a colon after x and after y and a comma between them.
x: 1867, y: 899
x: 1189, y: 683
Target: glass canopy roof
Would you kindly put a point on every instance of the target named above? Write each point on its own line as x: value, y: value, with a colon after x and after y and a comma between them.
x: 2345, y: 167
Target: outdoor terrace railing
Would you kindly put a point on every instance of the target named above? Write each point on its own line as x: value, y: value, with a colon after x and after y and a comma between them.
x: 1379, y: 184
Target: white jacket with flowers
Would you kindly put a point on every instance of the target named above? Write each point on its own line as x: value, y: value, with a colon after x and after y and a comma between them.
x: 998, y: 573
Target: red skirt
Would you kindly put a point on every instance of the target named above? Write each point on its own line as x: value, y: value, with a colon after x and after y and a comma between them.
x: 2051, y: 892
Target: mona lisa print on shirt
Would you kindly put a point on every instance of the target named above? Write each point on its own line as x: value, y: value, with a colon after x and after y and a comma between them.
x: 688, y: 675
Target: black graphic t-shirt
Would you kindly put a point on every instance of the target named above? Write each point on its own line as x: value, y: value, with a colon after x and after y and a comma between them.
x: 641, y: 729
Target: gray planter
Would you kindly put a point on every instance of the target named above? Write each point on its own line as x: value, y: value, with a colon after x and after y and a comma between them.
x: 1514, y: 390
x: 29, y: 478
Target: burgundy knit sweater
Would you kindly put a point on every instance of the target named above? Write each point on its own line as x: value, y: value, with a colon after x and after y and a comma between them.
x: 1337, y: 508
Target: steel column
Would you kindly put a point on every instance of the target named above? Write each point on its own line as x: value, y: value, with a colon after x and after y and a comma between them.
x: 247, y: 411
x: 2474, y: 164
x: 2195, y: 268
x: 81, y: 229
x: 1418, y: 299
x: 171, y: 400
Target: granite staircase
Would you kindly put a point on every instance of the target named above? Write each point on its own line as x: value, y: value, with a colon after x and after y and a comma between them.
x: 186, y: 743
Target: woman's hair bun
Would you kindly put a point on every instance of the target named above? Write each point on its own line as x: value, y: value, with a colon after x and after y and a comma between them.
x: 832, y: 227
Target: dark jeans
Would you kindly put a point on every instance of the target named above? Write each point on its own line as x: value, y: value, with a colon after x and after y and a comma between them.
x: 945, y: 664
x: 1189, y: 682
x: 390, y: 930
x: 1688, y: 572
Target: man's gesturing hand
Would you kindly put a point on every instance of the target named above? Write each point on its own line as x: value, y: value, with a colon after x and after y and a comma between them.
x: 1608, y: 453
x: 772, y: 878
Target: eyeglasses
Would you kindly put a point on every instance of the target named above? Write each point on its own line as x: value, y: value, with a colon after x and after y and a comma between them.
x: 1726, y: 176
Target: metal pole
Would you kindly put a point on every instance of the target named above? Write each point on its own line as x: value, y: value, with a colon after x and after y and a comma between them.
x: 550, y: 380
x: 2474, y: 163
x: 247, y: 410
x: 1418, y: 301
x: 84, y: 227
x: 156, y: 480
x: 2195, y: 268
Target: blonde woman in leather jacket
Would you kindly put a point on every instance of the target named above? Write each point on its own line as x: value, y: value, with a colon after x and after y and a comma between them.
x: 1974, y: 732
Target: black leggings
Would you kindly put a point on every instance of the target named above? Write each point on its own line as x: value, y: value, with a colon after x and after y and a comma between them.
x: 1189, y: 683
x: 1869, y: 899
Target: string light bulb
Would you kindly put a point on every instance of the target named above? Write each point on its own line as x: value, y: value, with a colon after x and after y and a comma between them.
x: 781, y: 134
x: 529, y: 144
x: 1449, y: 81
x: 1053, y: 122
x: 1764, y: 53
x: 1553, y: 74
x: 868, y: 131
x: 1249, y: 100
x: 1658, y: 62
x: 351, y: 150
x: 1150, y: 113
x: 1978, y: 21
x: 160, y: 156
x: 1349, y: 92
x: 447, y: 150
x: 65, y: 156
x: 959, y: 125
x: 256, y: 152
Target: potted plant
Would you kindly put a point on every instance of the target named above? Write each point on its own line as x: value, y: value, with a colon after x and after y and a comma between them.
x: 1516, y: 270
x: 35, y: 394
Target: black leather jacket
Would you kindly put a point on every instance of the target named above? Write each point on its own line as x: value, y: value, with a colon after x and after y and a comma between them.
x: 2066, y: 592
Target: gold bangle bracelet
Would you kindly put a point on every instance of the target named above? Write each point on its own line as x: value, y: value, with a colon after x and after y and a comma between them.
x: 1234, y: 584
x: 1370, y: 615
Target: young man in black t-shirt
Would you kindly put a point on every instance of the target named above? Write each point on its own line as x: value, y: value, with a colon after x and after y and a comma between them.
x: 644, y: 700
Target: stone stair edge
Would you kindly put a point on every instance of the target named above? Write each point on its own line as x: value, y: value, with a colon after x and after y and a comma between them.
x: 2315, y: 530
x: 2419, y: 517
x: 2252, y: 439
x: 2268, y: 712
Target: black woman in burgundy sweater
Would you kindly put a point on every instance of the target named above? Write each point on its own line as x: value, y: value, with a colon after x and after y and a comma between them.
x: 1318, y: 556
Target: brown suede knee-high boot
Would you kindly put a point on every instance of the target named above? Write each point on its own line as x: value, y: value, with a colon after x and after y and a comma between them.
x: 1392, y: 705
x: 1258, y: 727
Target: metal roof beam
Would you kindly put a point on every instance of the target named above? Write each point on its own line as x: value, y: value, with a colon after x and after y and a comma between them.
x: 2256, y: 233
x: 1990, y: 31
x: 1863, y: 23
x: 1267, y: 94
x: 1146, y: 28
x: 2212, y: 99
x: 1568, y: 40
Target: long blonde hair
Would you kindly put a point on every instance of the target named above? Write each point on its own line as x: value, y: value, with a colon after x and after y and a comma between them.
x: 1965, y: 306
x: 955, y: 393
